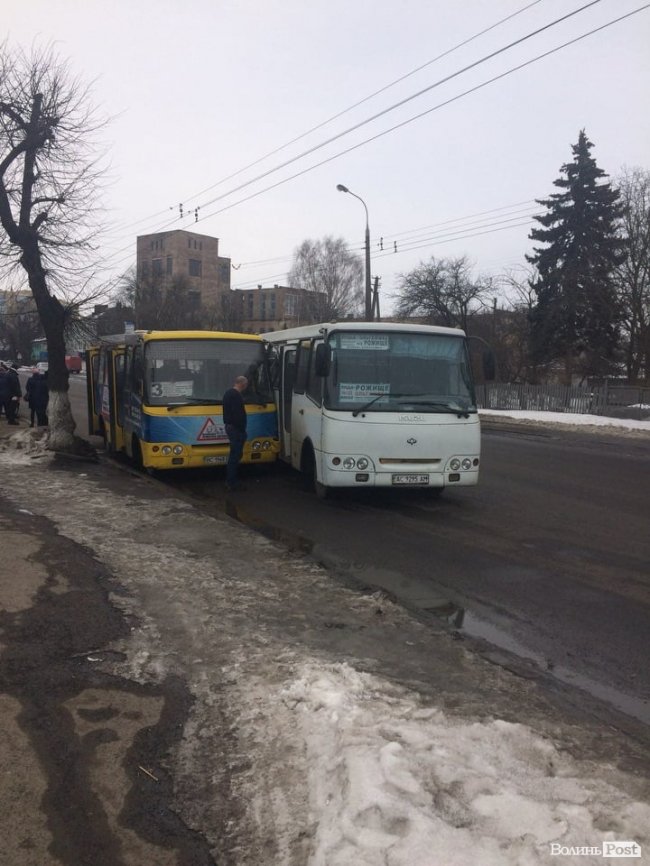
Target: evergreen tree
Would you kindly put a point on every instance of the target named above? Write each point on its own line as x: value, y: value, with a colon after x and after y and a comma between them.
x: 577, y: 313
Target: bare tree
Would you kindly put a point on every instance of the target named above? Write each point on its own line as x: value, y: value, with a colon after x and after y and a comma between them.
x: 49, y: 185
x: 512, y: 325
x: 329, y: 268
x: 633, y: 275
x: 442, y: 291
x: 19, y: 324
x: 172, y: 303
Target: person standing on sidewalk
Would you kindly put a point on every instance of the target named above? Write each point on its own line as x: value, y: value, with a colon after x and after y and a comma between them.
x: 37, y: 395
x: 10, y: 393
x: 234, y: 419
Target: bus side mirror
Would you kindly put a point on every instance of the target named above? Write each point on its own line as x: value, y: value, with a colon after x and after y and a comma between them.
x: 323, y: 361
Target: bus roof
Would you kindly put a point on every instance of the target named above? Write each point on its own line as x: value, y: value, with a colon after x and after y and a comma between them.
x: 329, y: 327
x: 196, y: 335
x: 146, y: 336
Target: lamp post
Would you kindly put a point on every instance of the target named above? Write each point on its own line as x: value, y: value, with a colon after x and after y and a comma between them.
x: 342, y: 188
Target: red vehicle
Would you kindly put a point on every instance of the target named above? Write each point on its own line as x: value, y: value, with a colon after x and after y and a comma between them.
x: 73, y: 363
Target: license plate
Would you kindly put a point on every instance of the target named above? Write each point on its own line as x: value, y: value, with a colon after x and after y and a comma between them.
x: 410, y: 479
x: 218, y: 458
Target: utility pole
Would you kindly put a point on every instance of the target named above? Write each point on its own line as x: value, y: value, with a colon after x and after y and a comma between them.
x: 375, y: 314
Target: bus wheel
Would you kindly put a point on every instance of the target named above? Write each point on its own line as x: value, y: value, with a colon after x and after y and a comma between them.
x: 310, y: 474
x: 321, y: 491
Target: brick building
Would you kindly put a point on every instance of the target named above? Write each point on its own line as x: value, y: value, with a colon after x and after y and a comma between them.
x: 274, y: 309
x: 194, y: 257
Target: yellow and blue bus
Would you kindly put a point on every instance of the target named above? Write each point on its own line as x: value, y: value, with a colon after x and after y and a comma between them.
x: 157, y: 397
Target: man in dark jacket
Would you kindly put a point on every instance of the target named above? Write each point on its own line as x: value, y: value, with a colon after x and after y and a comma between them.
x: 234, y: 419
x: 10, y: 393
x: 37, y: 395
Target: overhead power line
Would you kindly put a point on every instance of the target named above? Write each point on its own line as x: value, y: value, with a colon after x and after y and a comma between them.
x: 513, y: 211
x: 329, y: 120
x: 430, y: 110
x: 406, y: 100
x: 424, y: 113
x: 198, y: 217
x: 443, y: 239
x: 367, y: 98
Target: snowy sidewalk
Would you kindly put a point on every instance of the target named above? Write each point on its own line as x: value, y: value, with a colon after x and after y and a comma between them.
x: 345, y: 731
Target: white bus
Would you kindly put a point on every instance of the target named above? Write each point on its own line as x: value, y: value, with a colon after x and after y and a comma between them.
x: 373, y: 404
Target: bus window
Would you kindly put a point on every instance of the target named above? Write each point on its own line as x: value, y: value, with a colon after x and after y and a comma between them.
x: 302, y: 369
x: 287, y: 386
x: 314, y: 382
x: 137, y: 371
x: 119, y: 387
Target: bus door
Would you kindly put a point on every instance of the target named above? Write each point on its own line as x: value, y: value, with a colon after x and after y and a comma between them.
x: 118, y: 367
x: 285, y: 400
x: 93, y: 392
x: 112, y: 405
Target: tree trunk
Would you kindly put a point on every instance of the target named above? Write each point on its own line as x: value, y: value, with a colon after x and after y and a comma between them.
x: 52, y: 316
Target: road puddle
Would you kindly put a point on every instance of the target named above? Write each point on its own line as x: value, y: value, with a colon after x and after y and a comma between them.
x: 458, y: 618
x: 465, y: 622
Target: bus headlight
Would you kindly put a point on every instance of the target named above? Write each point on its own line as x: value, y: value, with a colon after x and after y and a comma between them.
x: 348, y: 463
x: 178, y: 449
x: 362, y: 463
x: 266, y: 445
x: 454, y: 464
x: 166, y: 449
x: 467, y: 463
x: 256, y: 446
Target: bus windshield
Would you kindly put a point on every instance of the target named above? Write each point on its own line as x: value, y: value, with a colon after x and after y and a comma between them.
x: 179, y: 372
x: 399, y: 371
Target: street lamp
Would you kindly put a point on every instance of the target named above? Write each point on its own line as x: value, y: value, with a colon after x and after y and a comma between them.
x: 342, y: 188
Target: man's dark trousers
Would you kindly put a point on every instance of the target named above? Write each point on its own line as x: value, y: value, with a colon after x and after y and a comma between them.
x: 236, y: 437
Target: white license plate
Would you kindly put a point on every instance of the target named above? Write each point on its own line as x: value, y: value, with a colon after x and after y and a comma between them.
x: 410, y: 479
x: 218, y: 458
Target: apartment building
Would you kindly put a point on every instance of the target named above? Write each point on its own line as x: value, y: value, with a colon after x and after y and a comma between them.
x: 274, y: 309
x: 174, y: 254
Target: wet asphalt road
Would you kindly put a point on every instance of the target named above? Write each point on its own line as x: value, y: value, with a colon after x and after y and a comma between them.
x: 549, y: 558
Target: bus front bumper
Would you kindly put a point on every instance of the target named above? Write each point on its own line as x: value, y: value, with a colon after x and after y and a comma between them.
x: 176, y: 456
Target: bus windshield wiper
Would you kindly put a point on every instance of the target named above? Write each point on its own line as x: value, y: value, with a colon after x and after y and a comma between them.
x: 451, y: 408
x: 377, y: 396
x: 196, y: 401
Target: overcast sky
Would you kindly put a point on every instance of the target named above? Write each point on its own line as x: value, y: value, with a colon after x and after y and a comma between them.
x: 200, y: 90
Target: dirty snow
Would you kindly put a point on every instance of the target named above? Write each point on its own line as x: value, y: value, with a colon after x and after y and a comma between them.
x: 380, y: 776
x: 572, y: 419
x: 395, y: 782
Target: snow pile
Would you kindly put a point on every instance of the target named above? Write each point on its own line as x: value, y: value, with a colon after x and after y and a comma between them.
x: 24, y: 443
x: 396, y: 783
x: 570, y: 418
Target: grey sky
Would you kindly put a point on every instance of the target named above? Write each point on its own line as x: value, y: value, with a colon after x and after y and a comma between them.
x: 201, y: 89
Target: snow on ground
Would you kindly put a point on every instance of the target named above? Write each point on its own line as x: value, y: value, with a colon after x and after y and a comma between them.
x: 388, y: 779
x: 393, y: 782
x: 569, y: 418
